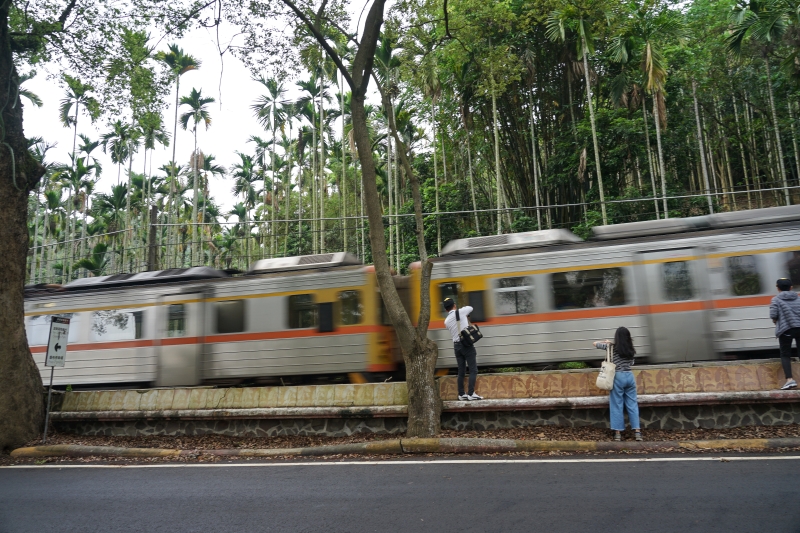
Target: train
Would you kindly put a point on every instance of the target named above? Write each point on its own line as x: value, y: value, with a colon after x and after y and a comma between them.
x: 689, y: 289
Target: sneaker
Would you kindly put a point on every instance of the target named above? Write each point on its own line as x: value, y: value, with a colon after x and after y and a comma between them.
x: 463, y: 397
x: 789, y: 385
x: 473, y: 397
x: 617, y: 436
x: 638, y: 435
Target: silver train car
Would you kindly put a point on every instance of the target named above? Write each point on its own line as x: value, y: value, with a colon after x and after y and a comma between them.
x: 688, y: 289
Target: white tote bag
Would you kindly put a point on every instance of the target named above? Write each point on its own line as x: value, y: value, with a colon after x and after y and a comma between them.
x: 605, y: 379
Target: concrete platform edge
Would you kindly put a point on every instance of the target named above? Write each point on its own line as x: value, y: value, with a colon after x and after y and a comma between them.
x: 416, y: 446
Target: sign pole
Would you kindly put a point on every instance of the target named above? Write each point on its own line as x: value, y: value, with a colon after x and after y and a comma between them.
x: 56, y: 356
x: 47, y: 415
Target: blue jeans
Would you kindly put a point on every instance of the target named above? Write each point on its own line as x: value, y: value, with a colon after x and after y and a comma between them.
x: 624, y: 393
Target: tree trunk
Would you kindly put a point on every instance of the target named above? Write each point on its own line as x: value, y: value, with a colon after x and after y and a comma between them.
x: 741, y: 152
x: 498, y: 182
x: 21, y: 398
x: 594, y: 128
x: 323, y: 180
x: 195, y: 201
x: 650, y: 158
x: 32, y: 277
x: 419, y: 352
x: 702, y: 150
x: 472, y: 184
x: 781, y: 166
x: 533, y: 156
x: 343, y: 207
x: 172, y: 231
x: 794, y: 139
x: 657, y: 121
x: 436, y: 180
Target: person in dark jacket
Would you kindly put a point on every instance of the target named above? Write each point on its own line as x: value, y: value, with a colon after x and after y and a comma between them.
x: 784, y: 310
x: 624, y: 391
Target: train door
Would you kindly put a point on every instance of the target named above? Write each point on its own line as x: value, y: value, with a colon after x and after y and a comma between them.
x: 675, y: 286
x: 180, y: 339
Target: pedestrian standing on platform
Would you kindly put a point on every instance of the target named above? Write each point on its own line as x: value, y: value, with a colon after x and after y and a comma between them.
x: 784, y: 310
x: 465, y: 355
x: 624, y: 392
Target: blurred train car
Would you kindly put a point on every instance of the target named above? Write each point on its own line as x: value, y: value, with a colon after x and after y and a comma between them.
x: 295, y: 316
x: 689, y: 289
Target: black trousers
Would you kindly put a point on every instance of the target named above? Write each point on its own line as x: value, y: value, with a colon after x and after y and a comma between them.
x: 466, y: 356
x: 785, y: 342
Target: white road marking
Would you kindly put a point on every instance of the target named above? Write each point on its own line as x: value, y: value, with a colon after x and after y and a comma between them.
x: 426, y: 462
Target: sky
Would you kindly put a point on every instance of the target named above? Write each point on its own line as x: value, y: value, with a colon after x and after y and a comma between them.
x: 232, y: 119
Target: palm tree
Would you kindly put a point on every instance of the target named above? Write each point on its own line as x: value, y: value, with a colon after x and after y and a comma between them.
x: 197, y: 113
x: 97, y: 262
x: 432, y: 88
x: 245, y: 174
x: 766, y: 22
x: 30, y: 95
x: 78, y: 93
x: 578, y: 18
x: 73, y: 178
x: 111, y: 208
x: 179, y: 63
x: 269, y: 115
x: 209, y: 167
x: 117, y: 142
x: 151, y: 126
x: 52, y: 203
x: 642, y: 39
x: 308, y: 111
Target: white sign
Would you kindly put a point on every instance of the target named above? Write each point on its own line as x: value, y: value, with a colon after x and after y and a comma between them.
x: 57, y: 344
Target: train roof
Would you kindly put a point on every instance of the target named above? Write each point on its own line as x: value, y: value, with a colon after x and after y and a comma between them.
x: 303, y: 262
x: 118, y: 280
x: 510, y: 241
x: 750, y: 217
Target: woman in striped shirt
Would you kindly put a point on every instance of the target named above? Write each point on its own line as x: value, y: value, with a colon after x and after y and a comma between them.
x: 624, y: 391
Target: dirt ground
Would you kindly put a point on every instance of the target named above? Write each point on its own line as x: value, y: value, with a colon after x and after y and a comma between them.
x: 210, y: 442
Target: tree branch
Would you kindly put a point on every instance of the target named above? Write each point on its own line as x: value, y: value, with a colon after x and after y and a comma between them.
x: 365, y: 57
x: 66, y: 13
x: 322, y: 41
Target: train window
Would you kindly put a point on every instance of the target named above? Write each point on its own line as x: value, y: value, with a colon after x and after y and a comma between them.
x: 176, y: 320
x: 677, y: 281
x: 793, y: 267
x: 37, y: 328
x: 580, y: 289
x: 116, y: 325
x: 743, y: 272
x: 230, y: 316
x: 514, y: 296
x: 350, y: 307
x: 450, y: 290
x: 302, y: 311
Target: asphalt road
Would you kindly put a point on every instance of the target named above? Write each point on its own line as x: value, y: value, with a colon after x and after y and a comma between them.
x: 680, y: 496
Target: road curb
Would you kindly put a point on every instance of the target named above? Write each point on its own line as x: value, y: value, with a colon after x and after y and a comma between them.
x: 417, y: 446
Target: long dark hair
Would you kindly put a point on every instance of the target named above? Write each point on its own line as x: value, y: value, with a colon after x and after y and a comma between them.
x: 623, y: 344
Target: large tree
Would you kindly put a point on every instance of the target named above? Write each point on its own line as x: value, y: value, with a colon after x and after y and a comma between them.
x: 325, y: 28
x: 80, y: 35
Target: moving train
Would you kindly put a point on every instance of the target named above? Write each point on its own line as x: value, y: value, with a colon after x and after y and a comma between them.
x: 688, y: 289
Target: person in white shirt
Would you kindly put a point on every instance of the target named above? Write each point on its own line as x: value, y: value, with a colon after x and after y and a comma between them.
x: 465, y: 355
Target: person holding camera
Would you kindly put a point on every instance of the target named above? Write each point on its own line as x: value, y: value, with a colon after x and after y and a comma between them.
x: 465, y: 355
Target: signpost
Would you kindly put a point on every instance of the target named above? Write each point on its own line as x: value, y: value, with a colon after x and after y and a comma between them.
x: 56, y: 356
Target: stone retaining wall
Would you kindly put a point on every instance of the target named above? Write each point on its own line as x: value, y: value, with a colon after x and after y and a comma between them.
x: 651, y: 417
x: 672, y: 397
x: 661, y: 379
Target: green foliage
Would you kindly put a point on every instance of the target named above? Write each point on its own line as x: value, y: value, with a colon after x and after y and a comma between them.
x: 571, y: 365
